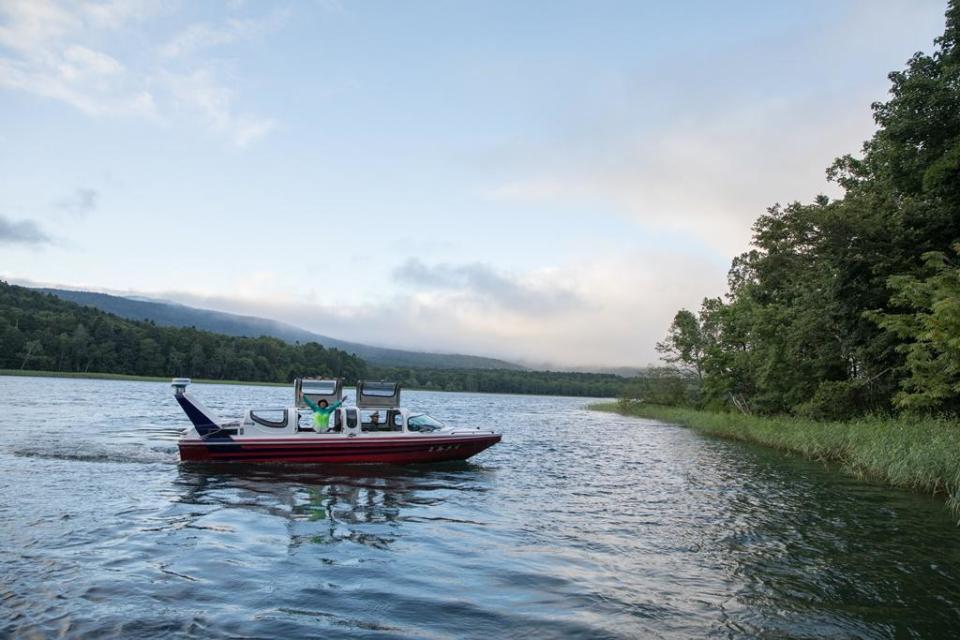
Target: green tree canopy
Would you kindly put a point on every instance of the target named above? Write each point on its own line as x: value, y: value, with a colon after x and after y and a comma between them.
x: 793, y: 333
x: 931, y: 328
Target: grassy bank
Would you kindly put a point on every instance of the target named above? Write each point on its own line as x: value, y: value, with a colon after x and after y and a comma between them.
x: 122, y: 376
x: 922, y: 454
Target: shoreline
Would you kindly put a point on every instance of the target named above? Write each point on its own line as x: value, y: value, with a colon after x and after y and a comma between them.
x: 919, y: 454
x: 26, y: 373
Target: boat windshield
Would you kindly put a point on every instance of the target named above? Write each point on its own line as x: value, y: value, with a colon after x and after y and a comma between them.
x: 423, y: 422
x: 320, y: 387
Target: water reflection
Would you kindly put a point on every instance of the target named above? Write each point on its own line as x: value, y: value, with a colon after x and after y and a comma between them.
x: 332, y: 504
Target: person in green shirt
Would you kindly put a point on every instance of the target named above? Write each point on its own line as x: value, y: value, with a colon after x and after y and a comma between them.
x: 321, y: 413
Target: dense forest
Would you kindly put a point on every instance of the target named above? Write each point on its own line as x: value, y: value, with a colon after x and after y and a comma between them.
x: 39, y: 331
x: 848, y: 306
x: 597, y: 385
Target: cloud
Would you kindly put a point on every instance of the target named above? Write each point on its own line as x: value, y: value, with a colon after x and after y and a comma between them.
x: 481, y: 286
x: 708, y: 177
x: 114, y: 14
x: 82, y: 63
x: 24, y: 232
x: 49, y: 60
x: 202, y: 35
x: 58, y: 50
x: 198, y: 92
x: 597, y: 310
x: 702, y: 144
x: 80, y: 202
x: 31, y: 26
x: 85, y: 79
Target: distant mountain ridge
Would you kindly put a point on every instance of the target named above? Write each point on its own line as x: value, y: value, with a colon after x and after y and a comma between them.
x: 179, y: 315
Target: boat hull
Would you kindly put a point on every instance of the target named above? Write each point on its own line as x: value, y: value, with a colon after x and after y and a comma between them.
x: 401, y: 450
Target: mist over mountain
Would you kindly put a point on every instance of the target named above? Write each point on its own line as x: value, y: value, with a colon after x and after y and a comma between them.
x: 178, y: 315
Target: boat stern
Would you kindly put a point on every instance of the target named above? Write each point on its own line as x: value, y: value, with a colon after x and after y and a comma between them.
x: 204, y: 421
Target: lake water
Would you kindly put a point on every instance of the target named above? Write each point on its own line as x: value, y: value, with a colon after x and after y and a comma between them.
x: 578, y: 525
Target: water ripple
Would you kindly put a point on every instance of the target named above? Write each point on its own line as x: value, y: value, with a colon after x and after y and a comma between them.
x: 578, y: 525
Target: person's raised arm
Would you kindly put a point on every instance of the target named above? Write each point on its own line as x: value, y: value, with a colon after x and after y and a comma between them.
x: 335, y: 405
x: 311, y: 404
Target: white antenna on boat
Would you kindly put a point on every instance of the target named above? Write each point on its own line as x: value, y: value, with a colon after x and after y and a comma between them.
x: 179, y: 385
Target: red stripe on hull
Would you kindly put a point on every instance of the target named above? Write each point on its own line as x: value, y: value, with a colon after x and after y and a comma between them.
x: 342, y: 451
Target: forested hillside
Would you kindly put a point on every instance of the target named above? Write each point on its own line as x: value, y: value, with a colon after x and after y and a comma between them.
x: 40, y: 331
x: 851, y: 306
x: 178, y: 315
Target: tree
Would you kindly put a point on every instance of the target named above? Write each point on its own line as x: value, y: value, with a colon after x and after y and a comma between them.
x: 80, y: 345
x: 792, y: 334
x: 32, y: 349
x: 662, y: 385
x: 933, y: 334
x: 684, y: 344
x: 176, y: 359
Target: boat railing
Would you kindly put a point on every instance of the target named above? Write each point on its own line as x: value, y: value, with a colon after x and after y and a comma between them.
x: 470, y: 432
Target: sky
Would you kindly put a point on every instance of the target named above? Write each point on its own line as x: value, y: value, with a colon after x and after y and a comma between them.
x: 546, y: 182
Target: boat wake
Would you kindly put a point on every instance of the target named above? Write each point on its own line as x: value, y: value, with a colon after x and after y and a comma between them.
x: 139, y: 455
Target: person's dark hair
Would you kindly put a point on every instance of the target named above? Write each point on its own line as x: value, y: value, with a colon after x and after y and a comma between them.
x: 322, y: 403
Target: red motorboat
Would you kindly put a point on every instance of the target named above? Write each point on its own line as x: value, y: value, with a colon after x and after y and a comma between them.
x: 373, y: 430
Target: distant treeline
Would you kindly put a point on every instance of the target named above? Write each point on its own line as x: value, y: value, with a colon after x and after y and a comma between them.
x: 40, y: 331
x: 594, y: 385
x: 850, y: 306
